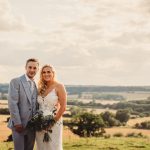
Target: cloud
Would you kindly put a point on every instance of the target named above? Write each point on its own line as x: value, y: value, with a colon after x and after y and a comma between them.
x: 145, y: 7
x: 88, y: 42
x: 8, y: 21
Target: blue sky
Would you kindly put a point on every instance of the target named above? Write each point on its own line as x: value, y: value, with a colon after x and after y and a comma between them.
x: 98, y: 42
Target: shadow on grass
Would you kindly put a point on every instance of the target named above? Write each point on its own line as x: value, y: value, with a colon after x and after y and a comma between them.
x: 77, y: 145
x: 83, y: 146
x: 108, y: 148
x: 138, y: 146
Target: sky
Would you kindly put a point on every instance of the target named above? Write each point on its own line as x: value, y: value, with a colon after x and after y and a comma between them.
x: 89, y: 42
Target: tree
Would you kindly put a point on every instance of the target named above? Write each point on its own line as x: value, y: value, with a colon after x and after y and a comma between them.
x: 76, y: 110
x: 123, y: 115
x: 106, y: 115
x: 86, y: 124
x: 109, y: 119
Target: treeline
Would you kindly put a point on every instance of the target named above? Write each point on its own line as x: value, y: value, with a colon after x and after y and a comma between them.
x: 78, y: 89
x: 3, y: 88
x: 99, y: 96
x: 137, y: 108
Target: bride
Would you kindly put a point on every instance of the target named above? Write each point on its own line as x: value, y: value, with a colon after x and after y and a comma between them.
x: 52, y: 95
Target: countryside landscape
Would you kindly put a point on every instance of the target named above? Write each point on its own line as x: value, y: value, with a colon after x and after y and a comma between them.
x: 132, y: 134
x: 99, y: 50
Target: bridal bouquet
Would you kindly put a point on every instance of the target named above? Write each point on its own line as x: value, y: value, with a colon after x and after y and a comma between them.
x: 40, y: 122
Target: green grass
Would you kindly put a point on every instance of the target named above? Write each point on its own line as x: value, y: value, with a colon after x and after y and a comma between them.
x: 108, y: 144
x: 6, y: 145
x: 98, y: 144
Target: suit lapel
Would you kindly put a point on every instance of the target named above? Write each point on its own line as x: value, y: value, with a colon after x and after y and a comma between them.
x: 26, y: 87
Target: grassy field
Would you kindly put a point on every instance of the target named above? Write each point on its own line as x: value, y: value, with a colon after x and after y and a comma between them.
x: 98, y: 144
x: 107, y: 144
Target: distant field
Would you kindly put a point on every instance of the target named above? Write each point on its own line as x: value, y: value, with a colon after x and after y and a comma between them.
x: 135, y: 95
x: 3, y: 104
x: 3, y: 101
x: 127, y: 95
x: 104, y: 102
x: 132, y: 122
x: 98, y: 111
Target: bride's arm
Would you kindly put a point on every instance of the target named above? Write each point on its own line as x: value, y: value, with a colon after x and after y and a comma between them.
x: 62, y: 99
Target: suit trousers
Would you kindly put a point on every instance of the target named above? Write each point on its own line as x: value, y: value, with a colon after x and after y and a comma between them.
x: 23, y: 141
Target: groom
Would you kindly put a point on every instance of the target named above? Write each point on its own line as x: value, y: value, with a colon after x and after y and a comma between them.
x: 22, y: 100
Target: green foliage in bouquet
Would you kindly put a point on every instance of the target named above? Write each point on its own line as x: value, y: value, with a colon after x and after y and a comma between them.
x: 40, y: 122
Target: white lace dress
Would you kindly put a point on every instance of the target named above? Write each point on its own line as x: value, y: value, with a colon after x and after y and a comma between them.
x: 56, y: 136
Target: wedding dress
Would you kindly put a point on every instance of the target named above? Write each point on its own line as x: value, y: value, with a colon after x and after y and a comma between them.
x: 47, y: 105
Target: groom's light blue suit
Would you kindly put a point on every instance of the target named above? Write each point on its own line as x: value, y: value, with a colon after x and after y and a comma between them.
x: 22, y: 106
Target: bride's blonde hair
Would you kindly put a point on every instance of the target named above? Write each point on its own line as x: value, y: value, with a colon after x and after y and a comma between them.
x: 42, y: 85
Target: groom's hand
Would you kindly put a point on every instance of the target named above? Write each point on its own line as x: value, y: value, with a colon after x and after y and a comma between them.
x: 19, y: 128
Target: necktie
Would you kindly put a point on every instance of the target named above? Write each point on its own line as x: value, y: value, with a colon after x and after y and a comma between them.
x: 31, y: 83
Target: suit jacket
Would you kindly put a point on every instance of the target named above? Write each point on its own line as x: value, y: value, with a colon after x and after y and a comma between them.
x: 21, y: 102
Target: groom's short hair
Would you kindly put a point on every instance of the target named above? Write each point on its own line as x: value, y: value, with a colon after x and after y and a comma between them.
x: 33, y: 60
